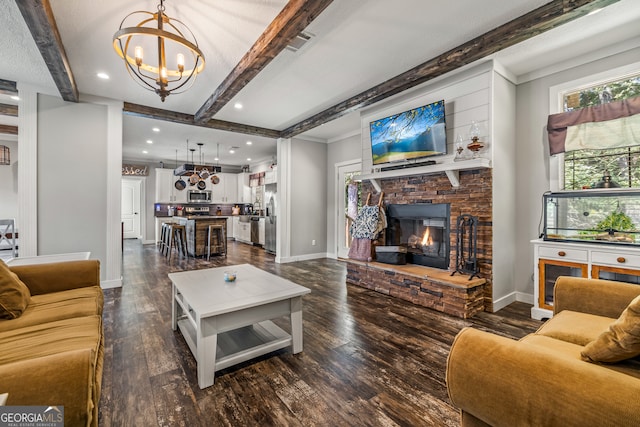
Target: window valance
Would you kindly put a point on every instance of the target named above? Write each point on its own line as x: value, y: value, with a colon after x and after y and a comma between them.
x: 616, y: 124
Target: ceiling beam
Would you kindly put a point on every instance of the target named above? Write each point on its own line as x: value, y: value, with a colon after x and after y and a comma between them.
x: 188, y: 119
x: 8, y: 130
x: 8, y: 87
x: 8, y: 110
x: 551, y: 15
x: 291, y: 21
x: 40, y: 21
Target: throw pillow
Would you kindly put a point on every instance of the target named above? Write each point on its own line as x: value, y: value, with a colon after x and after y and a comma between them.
x: 621, y: 341
x: 14, y: 294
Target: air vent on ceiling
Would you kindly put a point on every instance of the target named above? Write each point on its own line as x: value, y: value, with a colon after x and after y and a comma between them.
x: 298, y: 41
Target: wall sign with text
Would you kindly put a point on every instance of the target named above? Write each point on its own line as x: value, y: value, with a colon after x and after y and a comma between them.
x: 135, y: 170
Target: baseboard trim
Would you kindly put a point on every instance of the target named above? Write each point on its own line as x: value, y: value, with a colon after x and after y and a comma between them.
x: 149, y: 242
x: 501, y: 303
x: 526, y: 298
x: 109, y: 284
x: 303, y: 257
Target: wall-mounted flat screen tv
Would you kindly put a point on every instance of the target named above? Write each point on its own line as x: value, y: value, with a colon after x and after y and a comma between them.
x: 413, y: 134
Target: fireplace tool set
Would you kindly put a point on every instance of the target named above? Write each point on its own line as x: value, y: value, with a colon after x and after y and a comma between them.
x: 467, y: 246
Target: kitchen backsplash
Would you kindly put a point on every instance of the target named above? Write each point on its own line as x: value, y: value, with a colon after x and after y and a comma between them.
x: 162, y: 209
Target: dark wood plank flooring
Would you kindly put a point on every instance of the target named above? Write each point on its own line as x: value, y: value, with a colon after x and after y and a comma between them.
x: 368, y: 359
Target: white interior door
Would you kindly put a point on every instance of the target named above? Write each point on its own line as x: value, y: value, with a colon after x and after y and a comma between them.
x: 130, y: 214
x: 343, y: 239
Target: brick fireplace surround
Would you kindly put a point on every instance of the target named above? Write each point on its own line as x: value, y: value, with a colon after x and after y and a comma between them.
x: 429, y: 287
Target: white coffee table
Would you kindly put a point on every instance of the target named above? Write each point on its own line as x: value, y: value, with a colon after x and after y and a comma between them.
x: 228, y: 323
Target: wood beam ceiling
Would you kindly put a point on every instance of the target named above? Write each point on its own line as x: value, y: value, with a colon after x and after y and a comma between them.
x: 189, y: 119
x: 551, y: 15
x: 8, y: 87
x: 291, y: 21
x: 8, y: 130
x: 40, y: 21
x: 8, y: 110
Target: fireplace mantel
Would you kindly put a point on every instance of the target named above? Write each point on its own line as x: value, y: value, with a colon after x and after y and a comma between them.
x: 434, y: 288
x: 452, y: 170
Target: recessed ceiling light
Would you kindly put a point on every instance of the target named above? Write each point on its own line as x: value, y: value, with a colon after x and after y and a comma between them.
x: 156, y: 129
x: 15, y: 97
x: 248, y: 159
x: 103, y: 76
x: 216, y: 159
x: 232, y: 151
x: 237, y: 106
x: 145, y: 152
x: 149, y: 141
x: 249, y: 142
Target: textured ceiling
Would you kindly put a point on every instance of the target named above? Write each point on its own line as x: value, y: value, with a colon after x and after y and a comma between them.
x: 355, y: 45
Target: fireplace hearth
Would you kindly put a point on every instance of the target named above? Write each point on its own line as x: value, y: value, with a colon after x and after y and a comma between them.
x: 424, y: 229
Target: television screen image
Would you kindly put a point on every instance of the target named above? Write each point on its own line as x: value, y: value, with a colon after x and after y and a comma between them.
x: 416, y: 133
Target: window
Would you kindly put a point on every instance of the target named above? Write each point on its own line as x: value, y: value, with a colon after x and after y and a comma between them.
x: 584, y: 168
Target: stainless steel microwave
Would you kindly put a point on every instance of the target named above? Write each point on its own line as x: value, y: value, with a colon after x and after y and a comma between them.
x: 199, y: 196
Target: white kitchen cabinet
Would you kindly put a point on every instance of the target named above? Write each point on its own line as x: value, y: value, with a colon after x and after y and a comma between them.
x: 225, y: 191
x: 241, y: 230
x: 179, y: 196
x: 230, y: 188
x: 270, y: 175
x: 166, y: 192
x: 244, y: 191
x: 163, y: 185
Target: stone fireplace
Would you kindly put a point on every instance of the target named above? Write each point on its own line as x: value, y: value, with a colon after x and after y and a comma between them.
x: 432, y: 285
x: 424, y: 229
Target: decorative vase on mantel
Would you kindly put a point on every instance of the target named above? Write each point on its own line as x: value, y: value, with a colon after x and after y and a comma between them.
x: 460, y: 148
x: 475, y: 145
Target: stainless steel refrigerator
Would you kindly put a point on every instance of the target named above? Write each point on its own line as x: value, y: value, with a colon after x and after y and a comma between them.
x: 271, y: 209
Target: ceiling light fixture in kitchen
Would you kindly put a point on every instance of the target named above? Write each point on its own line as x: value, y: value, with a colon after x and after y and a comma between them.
x: 167, y: 36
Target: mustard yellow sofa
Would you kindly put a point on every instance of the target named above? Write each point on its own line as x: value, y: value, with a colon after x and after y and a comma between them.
x: 581, y: 368
x: 51, y: 337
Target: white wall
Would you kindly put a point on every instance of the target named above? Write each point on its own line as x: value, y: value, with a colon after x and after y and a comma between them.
x: 503, y: 116
x: 9, y: 183
x: 308, y: 199
x: 532, y: 159
x: 346, y: 149
x: 467, y: 98
x: 72, y: 178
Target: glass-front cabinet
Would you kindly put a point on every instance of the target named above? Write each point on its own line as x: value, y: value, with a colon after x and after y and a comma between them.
x: 549, y: 271
x: 593, y: 260
x: 605, y: 216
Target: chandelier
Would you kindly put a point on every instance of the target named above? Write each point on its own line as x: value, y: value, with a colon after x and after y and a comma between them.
x: 167, y: 36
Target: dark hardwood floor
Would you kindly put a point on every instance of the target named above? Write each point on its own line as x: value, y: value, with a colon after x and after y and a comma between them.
x: 368, y: 359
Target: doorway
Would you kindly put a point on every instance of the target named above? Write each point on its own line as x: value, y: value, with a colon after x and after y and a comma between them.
x: 132, y: 208
x: 345, y: 173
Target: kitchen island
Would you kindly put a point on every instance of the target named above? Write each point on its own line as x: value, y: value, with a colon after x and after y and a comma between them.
x: 197, y: 227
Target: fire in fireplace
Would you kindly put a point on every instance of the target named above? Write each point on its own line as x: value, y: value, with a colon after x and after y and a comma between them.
x: 424, y: 229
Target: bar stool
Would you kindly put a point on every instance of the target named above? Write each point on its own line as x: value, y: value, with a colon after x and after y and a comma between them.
x: 166, y: 240
x: 180, y: 239
x: 220, y: 246
x: 163, y: 238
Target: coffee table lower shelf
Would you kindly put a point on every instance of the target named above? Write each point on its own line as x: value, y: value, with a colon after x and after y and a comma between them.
x: 239, y: 345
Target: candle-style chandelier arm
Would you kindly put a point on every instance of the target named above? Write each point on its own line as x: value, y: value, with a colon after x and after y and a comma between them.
x: 159, y: 78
